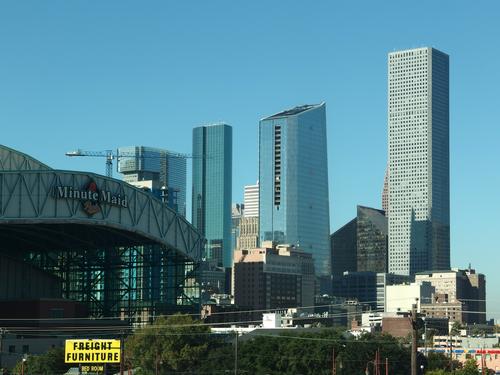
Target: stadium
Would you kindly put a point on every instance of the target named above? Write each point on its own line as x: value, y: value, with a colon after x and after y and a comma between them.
x: 108, y: 248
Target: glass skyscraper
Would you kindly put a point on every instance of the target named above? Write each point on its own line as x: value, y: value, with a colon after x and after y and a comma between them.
x: 293, y: 178
x: 161, y: 171
x: 371, y: 240
x: 419, y: 178
x: 212, y: 188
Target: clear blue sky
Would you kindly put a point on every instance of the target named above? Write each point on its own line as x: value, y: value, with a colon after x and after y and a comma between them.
x: 101, y: 74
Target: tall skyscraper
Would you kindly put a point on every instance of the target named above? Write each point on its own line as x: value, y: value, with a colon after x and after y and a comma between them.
x: 160, y: 171
x: 419, y: 183
x: 385, y: 193
x: 212, y: 186
x: 293, y: 178
x: 251, y: 199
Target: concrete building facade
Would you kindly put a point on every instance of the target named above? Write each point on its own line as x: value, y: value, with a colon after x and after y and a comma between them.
x: 459, y: 295
x: 248, y: 233
x: 419, y: 192
x: 251, y: 200
x: 400, y: 298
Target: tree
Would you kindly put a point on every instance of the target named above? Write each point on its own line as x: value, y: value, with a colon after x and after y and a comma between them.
x: 470, y: 368
x: 290, y: 354
x: 436, y: 361
x: 176, y: 343
x: 455, y: 329
x: 50, y: 363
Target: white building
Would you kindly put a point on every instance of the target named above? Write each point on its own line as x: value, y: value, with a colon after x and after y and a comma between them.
x: 400, y: 298
x: 251, y: 200
x: 419, y: 198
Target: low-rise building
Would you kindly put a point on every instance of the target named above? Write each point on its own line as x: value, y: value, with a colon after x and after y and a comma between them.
x: 401, y: 298
x: 459, y: 295
x: 273, y: 277
x: 464, y: 342
x: 366, y: 287
x: 485, y: 357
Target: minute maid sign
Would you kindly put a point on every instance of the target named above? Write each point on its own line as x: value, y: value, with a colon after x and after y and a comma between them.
x: 90, y: 196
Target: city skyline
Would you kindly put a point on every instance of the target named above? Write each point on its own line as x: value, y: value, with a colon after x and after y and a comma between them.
x: 139, y: 83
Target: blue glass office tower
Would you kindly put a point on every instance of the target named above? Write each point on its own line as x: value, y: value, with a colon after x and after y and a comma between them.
x: 212, y: 188
x: 293, y: 177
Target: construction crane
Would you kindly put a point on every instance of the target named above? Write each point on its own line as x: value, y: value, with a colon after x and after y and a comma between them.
x: 110, y: 155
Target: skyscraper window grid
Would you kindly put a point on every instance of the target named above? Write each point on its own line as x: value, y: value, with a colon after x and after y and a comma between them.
x: 418, y: 161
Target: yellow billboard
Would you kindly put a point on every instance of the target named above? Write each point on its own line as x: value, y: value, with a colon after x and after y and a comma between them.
x: 92, y: 351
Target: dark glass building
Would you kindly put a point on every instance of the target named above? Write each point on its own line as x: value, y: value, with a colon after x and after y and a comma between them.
x: 366, y: 287
x: 372, y: 241
x: 361, y: 244
x: 212, y: 187
x: 344, y: 249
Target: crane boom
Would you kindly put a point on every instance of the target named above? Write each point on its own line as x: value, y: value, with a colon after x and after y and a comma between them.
x: 110, y: 155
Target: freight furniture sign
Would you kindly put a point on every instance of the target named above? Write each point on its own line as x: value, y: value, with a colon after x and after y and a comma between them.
x: 92, y: 351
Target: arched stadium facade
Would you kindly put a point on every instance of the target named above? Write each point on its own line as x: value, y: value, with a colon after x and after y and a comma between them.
x: 112, y: 247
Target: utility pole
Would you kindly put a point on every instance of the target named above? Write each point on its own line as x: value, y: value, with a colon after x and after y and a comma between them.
x: 121, y: 354
x: 377, y: 362
x: 334, y: 369
x: 1, y: 345
x: 414, y: 339
x: 451, y: 351
x: 236, y: 354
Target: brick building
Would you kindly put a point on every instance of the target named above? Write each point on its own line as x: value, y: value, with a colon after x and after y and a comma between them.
x: 273, y: 277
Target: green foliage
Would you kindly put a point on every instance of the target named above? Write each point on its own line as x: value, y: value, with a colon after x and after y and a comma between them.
x: 359, y: 352
x: 50, y: 363
x: 455, y: 329
x: 437, y: 361
x: 437, y: 372
x: 176, y: 343
x: 179, y: 344
x: 478, y: 331
x: 470, y: 368
x: 290, y: 354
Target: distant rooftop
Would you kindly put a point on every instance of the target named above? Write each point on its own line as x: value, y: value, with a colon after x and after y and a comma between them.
x: 292, y: 111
